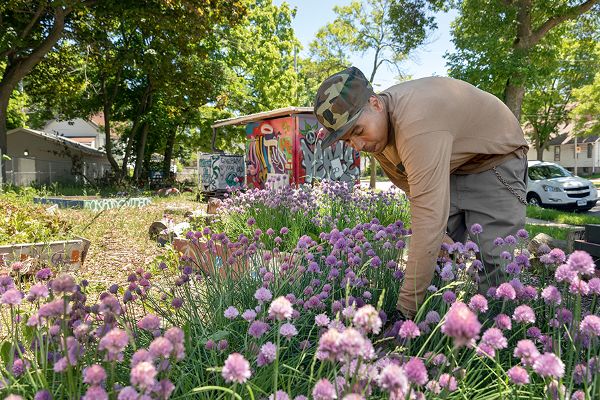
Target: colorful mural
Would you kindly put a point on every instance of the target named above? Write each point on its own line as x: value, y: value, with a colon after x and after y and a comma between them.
x: 291, y: 146
x: 269, y: 150
x: 219, y: 171
x: 338, y: 162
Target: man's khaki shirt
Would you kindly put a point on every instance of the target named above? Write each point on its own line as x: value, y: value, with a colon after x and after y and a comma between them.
x: 437, y: 127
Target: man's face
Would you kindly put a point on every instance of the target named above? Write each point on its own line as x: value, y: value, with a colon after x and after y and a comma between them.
x: 370, y: 132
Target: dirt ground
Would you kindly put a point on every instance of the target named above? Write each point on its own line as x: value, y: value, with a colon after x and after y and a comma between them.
x: 119, y: 237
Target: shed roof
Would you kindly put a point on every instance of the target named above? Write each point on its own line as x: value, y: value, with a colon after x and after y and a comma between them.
x: 60, y: 139
x: 279, y: 112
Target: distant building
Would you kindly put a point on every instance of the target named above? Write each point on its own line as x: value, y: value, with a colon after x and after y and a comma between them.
x: 80, y: 130
x: 45, y: 158
x: 562, y: 150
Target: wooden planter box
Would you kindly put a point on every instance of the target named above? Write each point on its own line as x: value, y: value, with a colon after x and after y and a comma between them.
x: 66, y: 255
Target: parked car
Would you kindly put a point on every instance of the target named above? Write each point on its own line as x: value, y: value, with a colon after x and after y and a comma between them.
x: 550, y: 185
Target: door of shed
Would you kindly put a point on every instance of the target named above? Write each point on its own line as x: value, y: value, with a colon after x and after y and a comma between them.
x: 291, y: 147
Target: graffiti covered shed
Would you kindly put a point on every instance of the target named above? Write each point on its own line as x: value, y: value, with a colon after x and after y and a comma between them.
x: 284, y: 146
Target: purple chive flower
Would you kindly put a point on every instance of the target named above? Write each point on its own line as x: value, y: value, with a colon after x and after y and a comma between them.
x: 461, y: 324
x: 280, y: 309
x: 510, y: 240
x: 258, y: 328
x: 267, y: 354
x: 37, y: 291
x: 551, y: 295
x: 590, y: 325
x: 139, y: 356
x: 249, y: 315
x: 12, y: 297
x: 231, y: 312
x: 534, y: 332
x: 161, y: 347
x: 42, y: 395
x: 367, y: 319
x: 222, y: 345
x: 95, y: 393
x: 63, y: 283
x: 549, y: 365
x: 143, y: 375
x: 432, y: 317
x: 279, y: 395
x: 393, y: 379
x: 476, y: 229
x: 321, y: 320
x: 449, y: 297
x: 524, y: 314
x: 522, y: 233
x: 415, y: 371
x: 324, y: 390
x: 44, y: 274
x: 448, y: 382
x: 177, y: 302
x: 288, y: 330
x: 527, y: 352
x: 564, y: 273
x: 485, y: 350
x: 594, y: 285
x: 236, y: 369
x: 581, y: 262
x: 518, y: 375
x: 114, y: 343
x: 149, y: 322
x: 478, y: 303
x: 94, y: 375
x: 263, y: 295
x: 409, y: 330
x: 494, y: 338
x: 506, y: 292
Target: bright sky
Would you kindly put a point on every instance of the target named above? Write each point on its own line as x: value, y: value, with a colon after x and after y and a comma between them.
x: 426, y: 61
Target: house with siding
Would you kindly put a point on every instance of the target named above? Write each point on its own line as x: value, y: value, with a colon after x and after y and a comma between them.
x: 563, y: 150
x: 44, y: 158
x: 80, y: 130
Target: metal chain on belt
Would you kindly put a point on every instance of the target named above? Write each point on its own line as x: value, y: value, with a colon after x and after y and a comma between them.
x: 510, y: 188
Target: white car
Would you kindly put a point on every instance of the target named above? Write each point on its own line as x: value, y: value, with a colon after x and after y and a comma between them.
x: 550, y: 185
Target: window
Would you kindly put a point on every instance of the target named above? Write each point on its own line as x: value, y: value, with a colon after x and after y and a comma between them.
x: 556, y: 153
x: 590, y: 147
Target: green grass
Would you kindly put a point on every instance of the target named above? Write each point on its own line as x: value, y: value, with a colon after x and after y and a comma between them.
x: 555, y: 232
x: 561, y: 217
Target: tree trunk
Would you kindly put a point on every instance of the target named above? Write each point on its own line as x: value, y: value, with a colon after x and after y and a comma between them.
x: 108, y: 146
x: 142, y: 107
x: 373, y: 167
x: 140, y: 147
x: 169, y: 153
x: 513, y: 97
x: 4, y: 98
x: 540, y: 153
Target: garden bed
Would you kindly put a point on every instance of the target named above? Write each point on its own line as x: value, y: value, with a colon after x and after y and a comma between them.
x: 61, y: 255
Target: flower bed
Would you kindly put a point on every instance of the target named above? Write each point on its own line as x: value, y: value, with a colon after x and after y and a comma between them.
x: 23, y: 222
x: 308, y: 322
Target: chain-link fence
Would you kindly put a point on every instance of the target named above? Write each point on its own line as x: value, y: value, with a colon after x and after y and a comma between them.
x: 22, y: 171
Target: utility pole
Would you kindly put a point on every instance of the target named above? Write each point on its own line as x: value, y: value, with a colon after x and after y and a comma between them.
x: 575, y: 169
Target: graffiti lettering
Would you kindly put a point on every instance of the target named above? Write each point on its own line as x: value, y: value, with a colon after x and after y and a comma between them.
x: 336, y: 162
x: 218, y: 171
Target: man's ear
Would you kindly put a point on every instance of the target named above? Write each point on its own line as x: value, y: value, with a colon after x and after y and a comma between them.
x: 376, y: 103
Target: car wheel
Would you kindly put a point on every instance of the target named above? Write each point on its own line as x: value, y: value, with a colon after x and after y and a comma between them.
x: 534, y: 200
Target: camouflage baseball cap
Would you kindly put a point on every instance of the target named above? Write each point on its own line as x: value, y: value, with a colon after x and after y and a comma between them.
x: 339, y: 102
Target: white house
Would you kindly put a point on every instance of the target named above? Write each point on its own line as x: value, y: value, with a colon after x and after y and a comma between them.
x: 80, y: 130
x: 562, y: 150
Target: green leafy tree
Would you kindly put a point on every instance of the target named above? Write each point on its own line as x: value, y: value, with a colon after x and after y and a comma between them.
x: 571, y: 64
x: 503, y: 49
x: 388, y: 30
